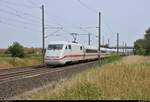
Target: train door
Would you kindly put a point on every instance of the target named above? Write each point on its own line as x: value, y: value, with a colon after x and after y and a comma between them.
x: 84, y: 51
x: 70, y: 52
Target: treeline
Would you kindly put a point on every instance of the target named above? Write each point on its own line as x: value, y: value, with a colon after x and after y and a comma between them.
x: 142, y: 46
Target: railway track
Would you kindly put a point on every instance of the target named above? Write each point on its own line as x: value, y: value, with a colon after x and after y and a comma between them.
x: 2, y: 71
x: 22, y: 74
x: 25, y: 72
x: 16, y: 82
x: 19, y: 80
x: 31, y: 71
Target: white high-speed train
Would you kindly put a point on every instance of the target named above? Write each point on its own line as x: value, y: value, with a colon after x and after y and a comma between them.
x: 61, y: 52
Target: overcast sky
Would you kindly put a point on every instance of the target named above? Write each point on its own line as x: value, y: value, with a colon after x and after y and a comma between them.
x: 20, y: 20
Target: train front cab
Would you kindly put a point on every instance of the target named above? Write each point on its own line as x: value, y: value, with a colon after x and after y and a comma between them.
x: 54, y: 53
x: 57, y: 54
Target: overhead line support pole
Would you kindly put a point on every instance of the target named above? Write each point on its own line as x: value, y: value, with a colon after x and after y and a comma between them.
x: 89, y: 39
x: 108, y: 43
x: 103, y: 41
x: 126, y: 49
x: 43, y: 34
x: 99, y: 40
x: 117, y: 43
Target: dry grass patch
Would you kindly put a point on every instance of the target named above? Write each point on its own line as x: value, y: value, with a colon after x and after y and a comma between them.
x: 125, y: 79
x: 4, y: 64
x: 9, y: 62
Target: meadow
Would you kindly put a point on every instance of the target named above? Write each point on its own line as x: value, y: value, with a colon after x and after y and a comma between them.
x: 126, y: 79
x: 33, y: 57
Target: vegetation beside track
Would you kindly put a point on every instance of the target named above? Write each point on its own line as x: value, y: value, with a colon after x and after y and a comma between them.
x: 33, y: 57
x: 9, y: 62
x: 128, y: 78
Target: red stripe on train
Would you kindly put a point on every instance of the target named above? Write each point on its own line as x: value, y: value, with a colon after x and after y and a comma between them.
x: 69, y: 56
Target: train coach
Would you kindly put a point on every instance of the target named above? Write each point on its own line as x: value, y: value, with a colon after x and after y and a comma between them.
x: 61, y: 52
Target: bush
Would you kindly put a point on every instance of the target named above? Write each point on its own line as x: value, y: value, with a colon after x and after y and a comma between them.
x: 16, y: 50
x: 110, y: 59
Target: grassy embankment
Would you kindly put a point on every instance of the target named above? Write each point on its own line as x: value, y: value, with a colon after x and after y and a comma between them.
x: 9, y: 62
x: 128, y: 78
x: 6, y: 61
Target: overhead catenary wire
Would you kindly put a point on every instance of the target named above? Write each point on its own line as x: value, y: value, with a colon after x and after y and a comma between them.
x: 23, y: 15
x: 50, y: 27
x: 19, y: 16
x: 15, y: 26
x: 86, y: 6
x: 23, y: 18
x: 94, y: 11
x: 64, y: 30
x: 22, y: 5
x: 18, y: 21
x: 31, y: 2
x: 89, y: 27
x: 53, y: 33
x: 63, y: 26
x: 22, y: 12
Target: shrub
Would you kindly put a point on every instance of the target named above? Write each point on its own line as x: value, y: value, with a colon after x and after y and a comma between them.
x: 16, y: 50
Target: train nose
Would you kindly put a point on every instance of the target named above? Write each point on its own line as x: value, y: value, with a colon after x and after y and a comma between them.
x: 53, y: 60
x: 52, y: 57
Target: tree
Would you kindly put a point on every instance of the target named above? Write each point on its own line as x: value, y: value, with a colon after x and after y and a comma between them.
x: 142, y: 46
x: 139, y: 47
x: 16, y: 50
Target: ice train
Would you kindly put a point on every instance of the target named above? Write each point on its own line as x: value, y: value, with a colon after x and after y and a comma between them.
x: 61, y: 52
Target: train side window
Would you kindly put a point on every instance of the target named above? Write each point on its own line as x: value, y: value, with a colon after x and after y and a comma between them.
x: 103, y: 51
x: 66, y: 48
x: 70, y: 47
x: 91, y: 51
x: 81, y: 48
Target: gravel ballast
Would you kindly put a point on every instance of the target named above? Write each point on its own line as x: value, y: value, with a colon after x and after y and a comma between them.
x: 19, y: 86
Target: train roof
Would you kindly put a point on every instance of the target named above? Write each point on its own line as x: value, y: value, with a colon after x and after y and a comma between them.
x: 96, y: 48
x: 64, y: 42
x: 90, y: 47
x: 86, y: 46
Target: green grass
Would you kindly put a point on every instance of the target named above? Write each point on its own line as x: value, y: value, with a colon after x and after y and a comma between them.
x: 110, y: 59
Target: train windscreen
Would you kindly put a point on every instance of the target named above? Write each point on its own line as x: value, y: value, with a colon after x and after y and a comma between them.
x: 55, y: 47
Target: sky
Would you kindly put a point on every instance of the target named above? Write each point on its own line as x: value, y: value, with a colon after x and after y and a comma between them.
x: 21, y: 21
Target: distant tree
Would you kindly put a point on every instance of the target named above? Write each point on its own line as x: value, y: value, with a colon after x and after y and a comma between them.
x: 16, y: 50
x: 139, y: 47
x: 142, y: 46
